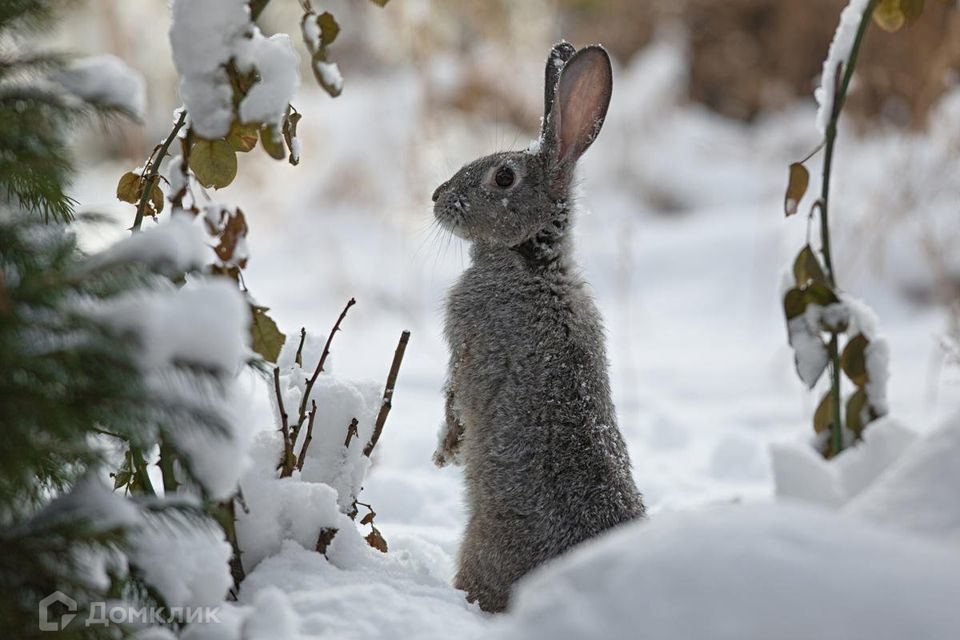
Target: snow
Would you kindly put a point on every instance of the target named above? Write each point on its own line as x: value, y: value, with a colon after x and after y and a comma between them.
x: 330, y: 72
x: 281, y: 509
x: 367, y: 594
x: 173, y: 247
x: 184, y: 558
x: 205, y: 36
x: 107, y: 80
x: 837, y: 56
x: 202, y: 37
x: 277, y: 62
x: 919, y: 492
x: 809, y: 349
x: 204, y: 323
x: 743, y: 573
x: 802, y: 474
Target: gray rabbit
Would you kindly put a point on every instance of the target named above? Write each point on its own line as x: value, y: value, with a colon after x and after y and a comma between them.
x: 528, y: 408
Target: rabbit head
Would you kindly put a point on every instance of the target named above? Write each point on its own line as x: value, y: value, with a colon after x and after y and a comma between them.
x: 506, y: 198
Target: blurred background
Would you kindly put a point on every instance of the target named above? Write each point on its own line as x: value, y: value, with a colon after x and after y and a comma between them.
x: 681, y: 231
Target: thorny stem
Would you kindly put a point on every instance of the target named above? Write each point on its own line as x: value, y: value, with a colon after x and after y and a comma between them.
x: 288, y: 461
x: 323, y: 359
x: 308, y: 438
x: 836, y: 432
x: 151, y: 174
x: 388, y: 393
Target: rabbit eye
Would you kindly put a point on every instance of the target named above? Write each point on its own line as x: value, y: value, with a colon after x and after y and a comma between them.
x: 504, y: 177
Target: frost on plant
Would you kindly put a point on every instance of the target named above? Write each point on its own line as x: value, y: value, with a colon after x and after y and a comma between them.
x: 837, y: 58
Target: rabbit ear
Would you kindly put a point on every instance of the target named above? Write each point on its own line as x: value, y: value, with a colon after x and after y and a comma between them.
x: 561, y: 52
x: 582, y: 96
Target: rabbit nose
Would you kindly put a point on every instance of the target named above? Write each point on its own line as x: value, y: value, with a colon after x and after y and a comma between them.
x: 436, y: 192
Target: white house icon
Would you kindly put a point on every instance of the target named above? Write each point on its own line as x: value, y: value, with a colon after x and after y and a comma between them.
x: 44, y: 608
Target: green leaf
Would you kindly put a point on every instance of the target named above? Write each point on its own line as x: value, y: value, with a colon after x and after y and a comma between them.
x: 265, y: 336
x: 853, y: 360
x: 857, y: 406
x: 797, y: 184
x: 794, y: 303
x: 243, y: 137
x: 329, y: 29
x: 806, y: 268
x: 823, y: 416
x: 272, y: 141
x: 214, y: 163
x: 129, y: 187
x: 819, y: 293
x: 380, y: 3
x: 889, y: 16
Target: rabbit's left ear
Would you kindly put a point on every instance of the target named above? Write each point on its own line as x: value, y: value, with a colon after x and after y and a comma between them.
x: 576, y: 114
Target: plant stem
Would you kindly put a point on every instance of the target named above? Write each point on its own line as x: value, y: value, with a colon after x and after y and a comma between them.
x: 152, y: 173
x: 840, y: 95
x: 388, y: 393
x: 323, y: 359
x: 140, y: 471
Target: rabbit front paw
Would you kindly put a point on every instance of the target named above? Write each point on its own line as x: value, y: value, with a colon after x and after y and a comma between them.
x: 449, y: 440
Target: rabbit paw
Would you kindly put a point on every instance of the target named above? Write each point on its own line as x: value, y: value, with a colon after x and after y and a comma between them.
x: 449, y: 439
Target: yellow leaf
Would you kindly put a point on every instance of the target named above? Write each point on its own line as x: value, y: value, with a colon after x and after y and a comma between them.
x: 796, y: 188
x: 823, y: 416
x: 853, y: 360
x: 889, y: 16
x: 129, y: 188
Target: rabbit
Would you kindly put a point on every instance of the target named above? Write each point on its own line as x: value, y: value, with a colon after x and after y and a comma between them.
x: 528, y: 407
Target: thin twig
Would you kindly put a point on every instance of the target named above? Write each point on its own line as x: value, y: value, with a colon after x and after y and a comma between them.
x: 323, y: 359
x: 388, y: 393
x: 153, y: 168
x: 299, y: 357
x: 286, y: 468
x: 306, y: 441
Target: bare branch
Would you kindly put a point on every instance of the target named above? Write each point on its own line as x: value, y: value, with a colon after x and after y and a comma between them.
x: 288, y: 461
x: 388, y: 393
x: 306, y: 441
x: 323, y: 359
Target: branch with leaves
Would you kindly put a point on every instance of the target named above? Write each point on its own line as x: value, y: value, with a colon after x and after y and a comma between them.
x: 815, y: 306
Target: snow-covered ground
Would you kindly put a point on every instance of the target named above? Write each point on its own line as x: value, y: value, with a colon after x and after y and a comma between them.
x: 682, y: 235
